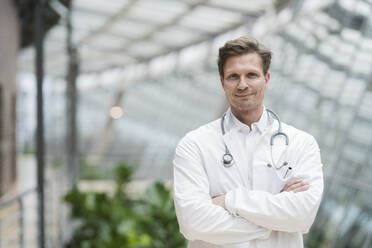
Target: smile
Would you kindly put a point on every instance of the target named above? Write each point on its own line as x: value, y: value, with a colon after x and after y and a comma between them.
x: 245, y: 95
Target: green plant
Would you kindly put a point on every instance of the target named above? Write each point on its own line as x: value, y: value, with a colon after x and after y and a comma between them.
x: 90, y: 171
x: 159, y: 218
x: 119, y: 221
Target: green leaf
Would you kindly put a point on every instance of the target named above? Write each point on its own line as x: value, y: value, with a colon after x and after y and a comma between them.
x: 117, y: 221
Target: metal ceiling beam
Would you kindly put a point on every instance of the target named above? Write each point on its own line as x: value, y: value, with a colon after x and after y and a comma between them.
x: 231, y: 9
x: 177, y: 49
x: 320, y: 56
x: 122, y: 12
x: 214, y: 35
x: 162, y: 27
x: 254, y: 14
x: 94, y: 12
x: 196, y: 42
x: 144, y: 60
x: 170, y: 49
x: 347, y: 18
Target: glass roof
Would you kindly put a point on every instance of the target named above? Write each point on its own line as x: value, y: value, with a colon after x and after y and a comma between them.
x: 140, y: 30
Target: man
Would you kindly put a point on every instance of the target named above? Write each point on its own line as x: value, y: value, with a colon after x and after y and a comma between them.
x: 268, y: 195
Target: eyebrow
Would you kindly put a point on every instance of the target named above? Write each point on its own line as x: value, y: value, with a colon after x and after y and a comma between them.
x: 250, y: 70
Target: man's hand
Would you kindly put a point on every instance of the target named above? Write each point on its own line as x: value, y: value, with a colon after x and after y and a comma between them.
x: 219, y: 200
x: 296, y: 186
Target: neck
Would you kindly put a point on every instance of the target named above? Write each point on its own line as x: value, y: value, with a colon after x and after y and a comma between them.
x: 248, y: 117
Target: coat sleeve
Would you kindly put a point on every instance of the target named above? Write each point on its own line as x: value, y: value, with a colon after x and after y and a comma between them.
x: 286, y: 211
x: 198, y: 217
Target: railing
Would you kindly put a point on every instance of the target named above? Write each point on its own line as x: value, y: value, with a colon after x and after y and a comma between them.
x: 19, y: 217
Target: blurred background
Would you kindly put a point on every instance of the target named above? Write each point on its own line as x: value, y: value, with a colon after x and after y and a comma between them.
x: 95, y: 95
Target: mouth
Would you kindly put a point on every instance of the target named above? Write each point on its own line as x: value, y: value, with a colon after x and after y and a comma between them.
x: 243, y: 95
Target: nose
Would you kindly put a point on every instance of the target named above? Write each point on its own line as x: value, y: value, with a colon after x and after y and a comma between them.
x: 243, y: 83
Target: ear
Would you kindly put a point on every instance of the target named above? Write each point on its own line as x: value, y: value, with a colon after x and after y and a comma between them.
x: 267, y: 78
x: 221, y: 79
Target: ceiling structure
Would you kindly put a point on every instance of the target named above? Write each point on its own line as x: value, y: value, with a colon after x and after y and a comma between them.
x: 157, y: 60
x: 120, y: 34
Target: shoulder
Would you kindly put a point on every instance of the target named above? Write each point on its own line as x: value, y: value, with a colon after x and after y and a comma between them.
x: 200, y: 134
x: 299, y: 137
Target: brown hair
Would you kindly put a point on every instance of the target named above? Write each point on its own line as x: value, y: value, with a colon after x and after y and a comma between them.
x: 241, y: 46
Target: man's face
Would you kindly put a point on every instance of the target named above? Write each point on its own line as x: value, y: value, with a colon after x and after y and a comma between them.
x: 244, y: 82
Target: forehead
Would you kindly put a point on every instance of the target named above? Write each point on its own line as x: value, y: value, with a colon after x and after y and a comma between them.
x: 248, y: 61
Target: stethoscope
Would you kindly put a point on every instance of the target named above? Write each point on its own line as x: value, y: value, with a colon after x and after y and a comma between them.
x: 228, y: 159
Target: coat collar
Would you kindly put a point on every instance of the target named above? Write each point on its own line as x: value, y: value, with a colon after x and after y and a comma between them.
x: 233, y: 123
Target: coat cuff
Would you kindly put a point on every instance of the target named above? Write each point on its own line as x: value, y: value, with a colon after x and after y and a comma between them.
x: 229, y: 200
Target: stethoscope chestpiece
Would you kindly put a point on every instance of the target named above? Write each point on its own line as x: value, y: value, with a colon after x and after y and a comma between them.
x: 228, y: 160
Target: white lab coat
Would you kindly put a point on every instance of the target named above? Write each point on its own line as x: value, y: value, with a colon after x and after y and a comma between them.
x: 258, y: 214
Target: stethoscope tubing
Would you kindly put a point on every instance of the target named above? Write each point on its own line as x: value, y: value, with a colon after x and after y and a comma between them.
x: 228, y: 159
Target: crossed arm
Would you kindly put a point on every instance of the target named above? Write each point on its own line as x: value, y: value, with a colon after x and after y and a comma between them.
x: 294, y: 186
x: 198, y: 217
x: 250, y: 214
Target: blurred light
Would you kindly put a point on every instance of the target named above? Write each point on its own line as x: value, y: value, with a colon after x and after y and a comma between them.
x: 116, y: 112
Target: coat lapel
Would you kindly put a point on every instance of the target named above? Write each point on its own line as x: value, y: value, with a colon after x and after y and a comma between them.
x: 279, y: 147
x: 236, y: 148
x: 262, y: 155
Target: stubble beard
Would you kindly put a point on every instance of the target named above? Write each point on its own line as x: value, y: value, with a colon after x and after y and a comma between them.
x: 244, y: 107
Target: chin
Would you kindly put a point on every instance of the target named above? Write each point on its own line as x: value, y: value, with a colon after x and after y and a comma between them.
x: 244, y: 108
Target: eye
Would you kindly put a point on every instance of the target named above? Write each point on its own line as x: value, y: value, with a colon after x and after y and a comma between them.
x: 233, y: 76
x: 252, y: 75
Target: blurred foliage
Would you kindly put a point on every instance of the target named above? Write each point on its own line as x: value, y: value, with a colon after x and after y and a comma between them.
x: 105, y: 221
x: 159, y: 218
x: 94, y: 172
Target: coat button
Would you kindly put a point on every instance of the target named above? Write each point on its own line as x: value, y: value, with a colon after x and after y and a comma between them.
x: 269, y: 165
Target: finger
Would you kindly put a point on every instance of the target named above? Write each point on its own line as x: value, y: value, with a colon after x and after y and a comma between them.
x: 300, y: 189
x: 294, y: 187
x: 290, y: 184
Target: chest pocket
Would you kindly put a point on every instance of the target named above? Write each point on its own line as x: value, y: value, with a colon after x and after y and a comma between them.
x: 266, y: 176
x: 221, y: 179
